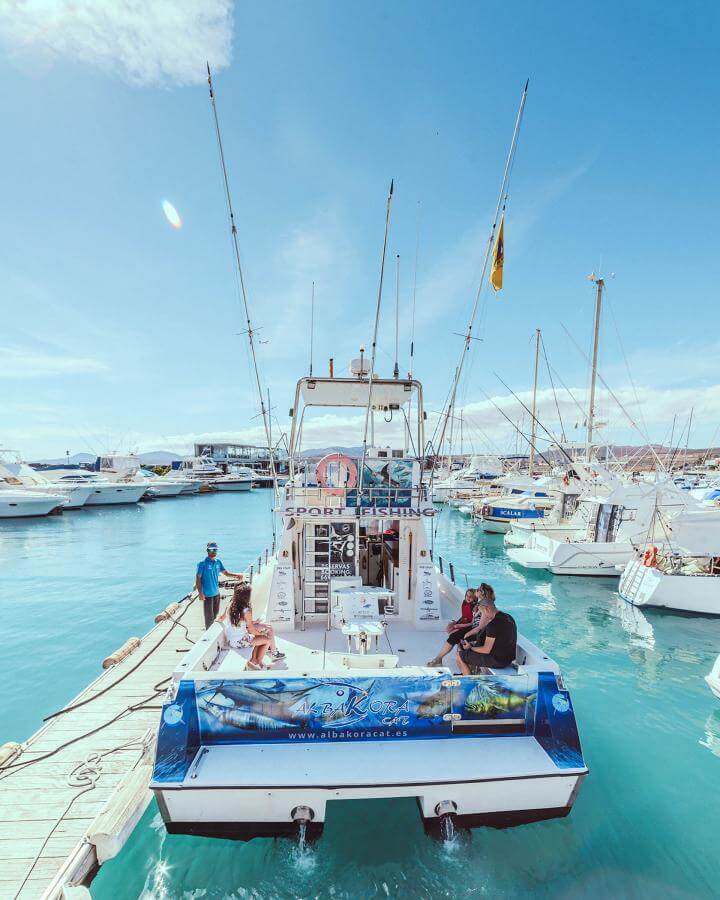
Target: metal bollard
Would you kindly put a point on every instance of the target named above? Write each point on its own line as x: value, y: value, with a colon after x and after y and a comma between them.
x: 452, y: 573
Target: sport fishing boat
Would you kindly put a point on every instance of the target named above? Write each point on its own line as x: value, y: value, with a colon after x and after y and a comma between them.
x: 684, y: 572
x: 353, y: 711
x: 16, y: 501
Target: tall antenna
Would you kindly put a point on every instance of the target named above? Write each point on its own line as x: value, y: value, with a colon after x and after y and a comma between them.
x: 396, y: 370
x: 502, y: 201
x: 312, y: 324
x: 243, y: 292
x: 414, y: 292
x: 375, y: 332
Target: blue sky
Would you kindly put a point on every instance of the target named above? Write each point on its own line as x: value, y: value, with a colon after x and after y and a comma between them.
x: 119, y: 331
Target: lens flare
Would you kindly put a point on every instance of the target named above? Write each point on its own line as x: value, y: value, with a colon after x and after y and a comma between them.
x: 171, y: 214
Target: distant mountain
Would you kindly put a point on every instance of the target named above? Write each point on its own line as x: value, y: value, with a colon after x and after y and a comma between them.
x: 158, y: 458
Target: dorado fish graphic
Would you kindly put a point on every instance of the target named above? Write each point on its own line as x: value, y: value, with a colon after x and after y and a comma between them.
x: 491, y: 700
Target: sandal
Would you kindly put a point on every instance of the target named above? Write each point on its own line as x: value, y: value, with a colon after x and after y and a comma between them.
x: 254, y: 667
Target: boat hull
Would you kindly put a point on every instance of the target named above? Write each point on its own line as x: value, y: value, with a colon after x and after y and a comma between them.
x: 647, y: 586
x: 567, y: 558
x: 267, y: 812
x: 234, y: 486
x: 25, y: 508
x: 114, y: 494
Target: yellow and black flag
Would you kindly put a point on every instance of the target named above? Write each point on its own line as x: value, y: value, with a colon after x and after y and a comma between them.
x: 496, y: 273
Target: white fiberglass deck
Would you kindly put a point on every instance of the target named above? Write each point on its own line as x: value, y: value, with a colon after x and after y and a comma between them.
x: 373, y: 763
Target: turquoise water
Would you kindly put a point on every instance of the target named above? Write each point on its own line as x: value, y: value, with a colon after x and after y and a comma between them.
x: 646, y: 820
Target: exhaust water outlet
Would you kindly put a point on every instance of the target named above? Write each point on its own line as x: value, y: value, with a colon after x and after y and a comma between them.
x: 302, y: 814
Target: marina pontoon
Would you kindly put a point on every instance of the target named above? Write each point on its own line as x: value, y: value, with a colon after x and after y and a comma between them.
x: 354, y: 711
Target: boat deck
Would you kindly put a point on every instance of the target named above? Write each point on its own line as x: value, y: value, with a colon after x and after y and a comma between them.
x: 81, y: 782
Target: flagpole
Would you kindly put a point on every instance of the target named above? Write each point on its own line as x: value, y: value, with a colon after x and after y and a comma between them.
x: 499, y: 209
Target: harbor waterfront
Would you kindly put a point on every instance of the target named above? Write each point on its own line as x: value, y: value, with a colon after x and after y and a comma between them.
x: 77, y: 586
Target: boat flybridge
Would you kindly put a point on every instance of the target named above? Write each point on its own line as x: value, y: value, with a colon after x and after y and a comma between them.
x: 354, y: 711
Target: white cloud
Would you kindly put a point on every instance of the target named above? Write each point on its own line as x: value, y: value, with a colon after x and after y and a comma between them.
x: 17, y: 362
x: 143, y: 41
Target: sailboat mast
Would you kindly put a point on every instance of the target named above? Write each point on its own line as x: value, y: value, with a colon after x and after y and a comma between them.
x: 600, y: 282
x: 533, y: 434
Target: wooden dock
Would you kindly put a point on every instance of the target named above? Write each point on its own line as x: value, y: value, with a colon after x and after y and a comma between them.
x: 78, y: 787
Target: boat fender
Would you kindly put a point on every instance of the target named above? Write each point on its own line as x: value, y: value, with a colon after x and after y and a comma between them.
x: 650, y: 557
x: 8, y: 752
x: 167, y: 613
x: 121, y: 653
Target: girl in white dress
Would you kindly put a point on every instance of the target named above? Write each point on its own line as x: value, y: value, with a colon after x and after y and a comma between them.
x: 242, y: 631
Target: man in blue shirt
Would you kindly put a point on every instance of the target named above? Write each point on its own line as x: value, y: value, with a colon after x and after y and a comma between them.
x: 206, y: 582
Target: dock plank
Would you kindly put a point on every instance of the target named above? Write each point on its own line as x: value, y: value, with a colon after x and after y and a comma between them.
x: 43, y: 814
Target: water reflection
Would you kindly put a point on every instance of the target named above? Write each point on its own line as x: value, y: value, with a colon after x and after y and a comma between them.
x: 712, y: 734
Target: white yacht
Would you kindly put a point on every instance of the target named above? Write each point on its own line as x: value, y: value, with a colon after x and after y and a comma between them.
x: 127, y: 469
x: 684, y: 572
x: 22, y: 475
x: 604, y: 531
x: 239, y: 478
x: 353, y: 711
x: 201, y: 469
x: 543, y: 499
x: 480, y: 471
x: 17, y: 501
x: 102, y: 491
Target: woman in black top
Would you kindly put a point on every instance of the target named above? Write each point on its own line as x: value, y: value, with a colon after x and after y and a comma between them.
x: 493, y: 642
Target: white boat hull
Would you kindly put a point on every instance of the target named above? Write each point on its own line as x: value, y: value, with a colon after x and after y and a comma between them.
x: 572, y: 558
x: 288, y: 776
x: 648, y: 586
x: 713, y: 679
x: 108, y: 495
x: 495, y: 526
x: 233, y: 485
x: 24, y: 506
x: 171, y: 489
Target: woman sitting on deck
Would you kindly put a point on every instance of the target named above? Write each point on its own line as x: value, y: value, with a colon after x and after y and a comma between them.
x: 241, y: 630
x: 492, y: 643
x: 458, y: 628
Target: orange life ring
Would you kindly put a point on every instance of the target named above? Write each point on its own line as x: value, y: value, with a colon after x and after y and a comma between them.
x: 650, y: 557
x: 346, y: 480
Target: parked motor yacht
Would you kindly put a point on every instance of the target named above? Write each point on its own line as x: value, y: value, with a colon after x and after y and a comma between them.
x: 102, y: 491
x: 479, y: 471
x: 605, y: 529
x: 127, y: 469
x: 684, y: 572
x: 354, y: 712
x: 23, y: 475
x: 17, y: 501
x: 233, y: 481
x: 546, y: 498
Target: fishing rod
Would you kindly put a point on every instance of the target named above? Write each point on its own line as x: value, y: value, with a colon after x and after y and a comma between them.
x: 518, y: 431
x: 243, y: 291
x: 537, y: 421
x: 375, y: 333
x: 499, y: 209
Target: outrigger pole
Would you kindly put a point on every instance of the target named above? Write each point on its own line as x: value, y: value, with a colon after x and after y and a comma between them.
x: 236, y: 253
x: 502, y: 201
x: 374, y: 340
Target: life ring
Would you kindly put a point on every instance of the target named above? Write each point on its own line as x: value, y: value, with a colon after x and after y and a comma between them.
x: 650, y: 557
x: 345, y: 473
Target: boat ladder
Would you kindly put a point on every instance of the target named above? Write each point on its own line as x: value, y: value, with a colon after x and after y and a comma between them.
x: 631, y: 589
